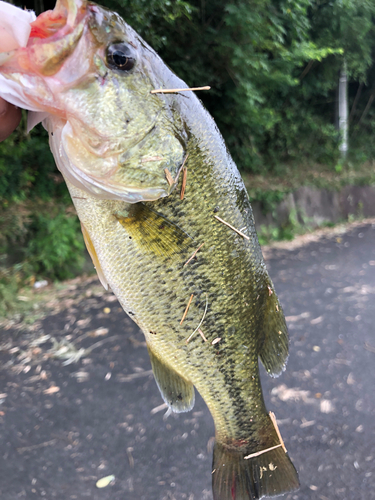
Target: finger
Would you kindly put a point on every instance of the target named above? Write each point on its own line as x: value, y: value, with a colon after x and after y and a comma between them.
x: 10, y: 116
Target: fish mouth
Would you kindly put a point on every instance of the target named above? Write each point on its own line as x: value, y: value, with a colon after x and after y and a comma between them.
x: 54, y: 36
x: 59, y: 21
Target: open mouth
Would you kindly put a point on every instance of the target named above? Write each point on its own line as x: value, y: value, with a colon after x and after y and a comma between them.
x: 53, y: 37
x: 63, y: 17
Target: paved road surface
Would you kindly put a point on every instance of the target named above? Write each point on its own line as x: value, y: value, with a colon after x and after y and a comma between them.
x: 64, y: 427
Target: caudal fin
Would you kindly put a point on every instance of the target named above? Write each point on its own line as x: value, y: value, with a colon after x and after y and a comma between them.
x: 236, y: 478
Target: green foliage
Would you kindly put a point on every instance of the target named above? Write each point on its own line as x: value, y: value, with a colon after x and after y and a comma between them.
x: 40, y: 235
x: 27, y: 168
x: 273, y: 66
x: 11, y: 279
x: 55, y: 246
x: 268, y: 199
x: 287, y: 231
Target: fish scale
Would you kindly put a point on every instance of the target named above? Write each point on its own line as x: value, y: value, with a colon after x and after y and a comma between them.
x: 120, y: 149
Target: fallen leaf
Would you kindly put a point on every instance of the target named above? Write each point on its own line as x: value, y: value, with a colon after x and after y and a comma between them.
x: 316, y: 321
x: 51, y: 390
x: 292, y: 319
x: 326, y: 406
x: 105, y: 481
x: 99, y: 332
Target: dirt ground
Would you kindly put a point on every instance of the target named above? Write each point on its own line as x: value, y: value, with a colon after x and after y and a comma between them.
x: 78, y: 401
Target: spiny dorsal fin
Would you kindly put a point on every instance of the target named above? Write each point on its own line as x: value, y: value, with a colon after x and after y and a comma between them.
x: 275, y: 349
x: 91, y: 249
x: 176, y: 391
x: 151, y: 230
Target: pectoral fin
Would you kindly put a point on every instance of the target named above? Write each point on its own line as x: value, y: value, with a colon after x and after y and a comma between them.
x: 176, y: 391
x: 275, y: 349
x: 91, y: 249
x: 152, y: 231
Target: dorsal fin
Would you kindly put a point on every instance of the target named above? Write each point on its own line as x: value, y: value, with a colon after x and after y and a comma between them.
x: 176, y: 391
x: 151, y: 230
x: 275, y: 349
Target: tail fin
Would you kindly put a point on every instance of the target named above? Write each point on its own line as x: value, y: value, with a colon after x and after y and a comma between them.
x: 236, y: 478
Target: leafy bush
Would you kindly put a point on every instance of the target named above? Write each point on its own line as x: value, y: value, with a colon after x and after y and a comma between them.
x: 38, y: 227
x: 54, y: 248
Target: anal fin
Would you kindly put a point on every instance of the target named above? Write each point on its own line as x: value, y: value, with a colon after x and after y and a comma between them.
x: 275, y: 348
x: 177, y: 392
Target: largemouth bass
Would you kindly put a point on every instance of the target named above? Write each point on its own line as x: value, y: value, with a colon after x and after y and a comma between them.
x: 155, y: 189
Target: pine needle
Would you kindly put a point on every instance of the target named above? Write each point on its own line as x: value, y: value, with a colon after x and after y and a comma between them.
x: 187, y: 308
x: 257, y: 453
x: 169, y: 91
x: 202, y: 334
x: 200, y: 324
x: 194, y: 254
x: 274, y: 421
x: 281, y: 445
x: 169, y: 177
x: 233, y: 228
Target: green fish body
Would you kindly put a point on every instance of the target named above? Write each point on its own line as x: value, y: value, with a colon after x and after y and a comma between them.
x: 142, y: 250
x: 126, y: 155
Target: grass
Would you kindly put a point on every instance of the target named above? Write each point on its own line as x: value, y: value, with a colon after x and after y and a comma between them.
x: 315, y: 175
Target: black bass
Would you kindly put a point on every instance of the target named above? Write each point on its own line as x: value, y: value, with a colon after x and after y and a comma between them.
x: 167, y: 221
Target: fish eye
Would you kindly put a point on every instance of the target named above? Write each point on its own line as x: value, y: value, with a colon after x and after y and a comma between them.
x: 120, y: 56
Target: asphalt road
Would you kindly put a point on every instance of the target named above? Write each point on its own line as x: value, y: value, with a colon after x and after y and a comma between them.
x: 64, y: 427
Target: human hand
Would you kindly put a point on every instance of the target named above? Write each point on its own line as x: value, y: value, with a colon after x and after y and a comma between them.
x: 10, y: 117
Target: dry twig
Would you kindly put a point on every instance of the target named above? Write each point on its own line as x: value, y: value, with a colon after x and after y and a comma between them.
x: 200, y: 324
x: 187, y: 308
x: 194, y: 254
x: 257, y: 453
x: 159, y: 408
x: 36, y: 446
x: 171, y: 91
x: 133, y: 376
x: 182, y: 166
x: 233, y: 228
x: 274, y: 421
x: 281, y: 445
x: 169, y: 177
x: 202, y: 334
